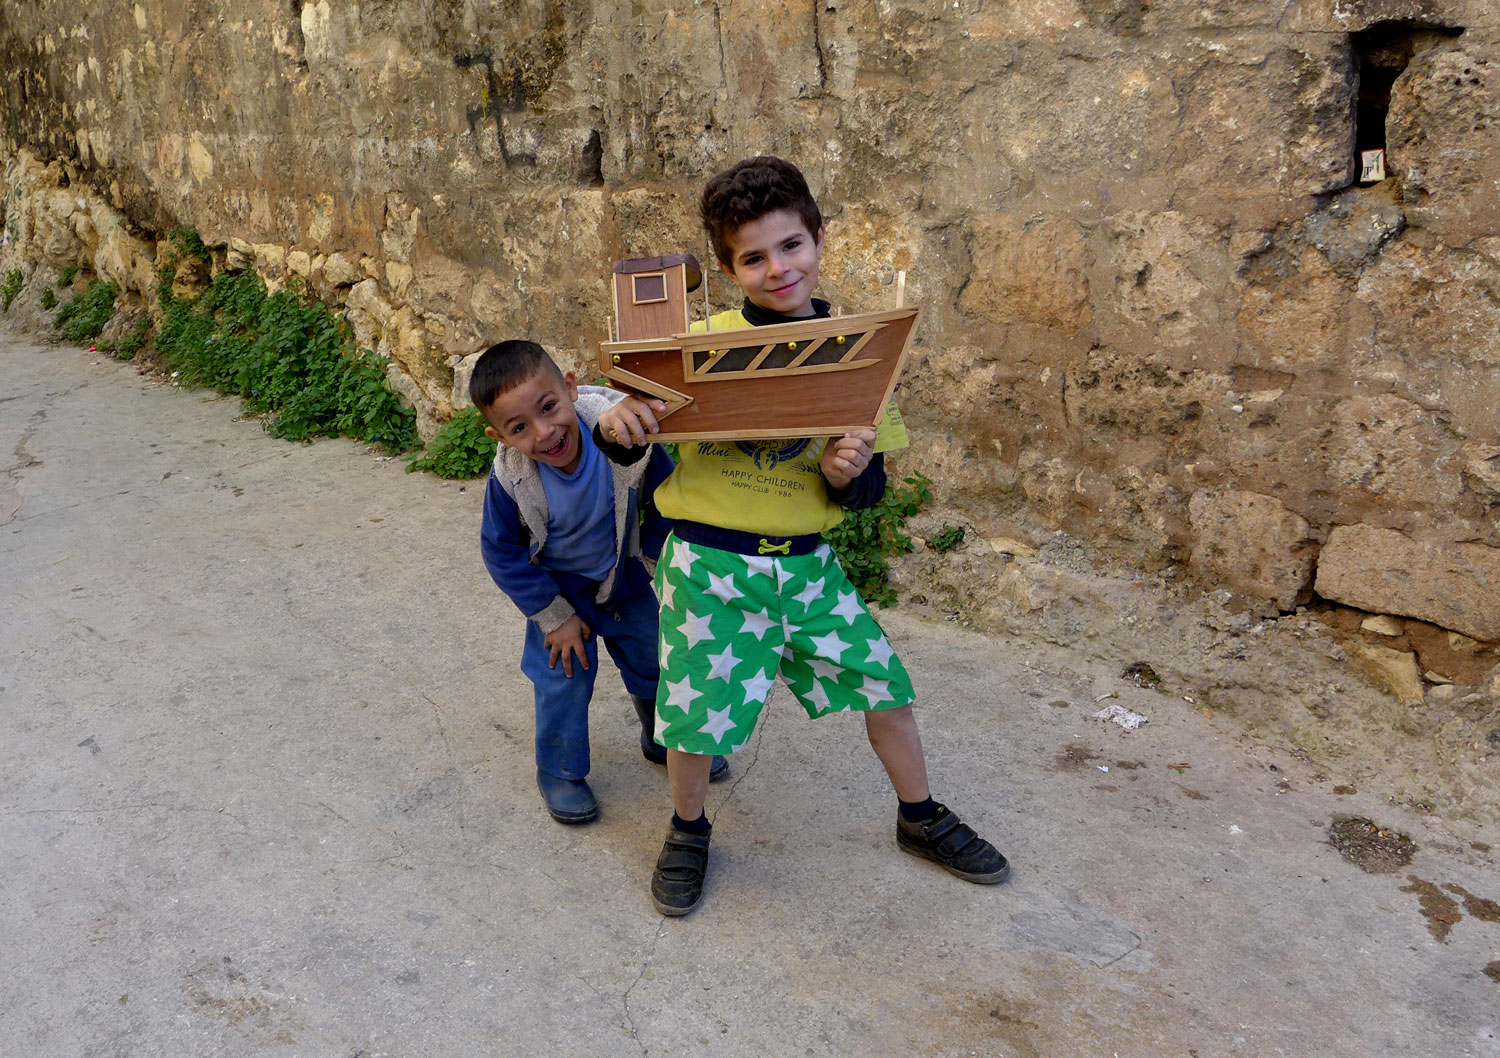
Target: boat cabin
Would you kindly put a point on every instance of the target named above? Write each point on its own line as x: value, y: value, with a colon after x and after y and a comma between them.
x: 651, y: 295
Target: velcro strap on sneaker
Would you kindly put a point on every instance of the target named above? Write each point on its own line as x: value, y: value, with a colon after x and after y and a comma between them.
x: 949, y: 836
x: 692, y: 861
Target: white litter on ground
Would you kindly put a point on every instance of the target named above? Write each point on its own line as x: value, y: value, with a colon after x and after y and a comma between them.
x: 1122, y: 716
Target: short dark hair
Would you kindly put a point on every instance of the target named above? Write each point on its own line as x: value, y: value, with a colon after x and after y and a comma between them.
x: 503, y: 367
x: 747, y: 192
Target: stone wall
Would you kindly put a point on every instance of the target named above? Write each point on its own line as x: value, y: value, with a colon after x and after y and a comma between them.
x: 1161, y: 314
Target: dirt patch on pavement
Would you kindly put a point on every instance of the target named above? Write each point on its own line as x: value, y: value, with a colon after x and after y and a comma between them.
x: 1370, y: 847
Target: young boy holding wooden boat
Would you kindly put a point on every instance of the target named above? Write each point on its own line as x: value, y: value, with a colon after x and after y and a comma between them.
x: 748, y: 588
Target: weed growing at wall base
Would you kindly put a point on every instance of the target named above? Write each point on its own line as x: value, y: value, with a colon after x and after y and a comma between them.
x: 866, y: 540
x: 84, y: 315
x: 11, y: 287
x: 460, y: 449
x: 289, y: 358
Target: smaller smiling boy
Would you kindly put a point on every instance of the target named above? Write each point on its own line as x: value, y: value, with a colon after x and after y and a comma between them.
x: 563, y: 535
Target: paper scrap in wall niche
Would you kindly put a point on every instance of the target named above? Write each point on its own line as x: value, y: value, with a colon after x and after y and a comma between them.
x: 1371, y: 166
x: 1122, y: 716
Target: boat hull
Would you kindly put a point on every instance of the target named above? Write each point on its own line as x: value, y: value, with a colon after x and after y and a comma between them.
x: 815, y: 379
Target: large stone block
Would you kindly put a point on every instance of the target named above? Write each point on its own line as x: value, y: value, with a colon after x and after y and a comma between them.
x: 1028, y: 271
x: 1443, y: 135
x: 1455, y: 586
x: 1255, y: 547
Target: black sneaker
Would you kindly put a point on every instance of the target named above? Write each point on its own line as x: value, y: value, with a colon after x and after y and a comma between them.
x: 677, y: 884
x: 945, y: 840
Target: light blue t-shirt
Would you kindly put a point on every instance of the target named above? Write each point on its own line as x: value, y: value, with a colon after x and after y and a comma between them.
x: 580, y: 515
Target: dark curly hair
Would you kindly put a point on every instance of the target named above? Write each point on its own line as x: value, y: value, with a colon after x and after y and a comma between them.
x: 505, y: 366
x: 747, y: 192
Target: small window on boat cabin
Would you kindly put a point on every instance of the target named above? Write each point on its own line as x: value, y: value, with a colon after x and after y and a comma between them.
x: 649, y: 287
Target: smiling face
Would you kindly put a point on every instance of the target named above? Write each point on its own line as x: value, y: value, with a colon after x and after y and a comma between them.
x: 774, y: 259
x: 537, y: 419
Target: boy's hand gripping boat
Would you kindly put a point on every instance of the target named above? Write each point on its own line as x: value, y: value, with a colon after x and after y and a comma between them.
x: 820, y: 378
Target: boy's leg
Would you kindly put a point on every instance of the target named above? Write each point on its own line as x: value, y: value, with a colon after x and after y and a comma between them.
x: 688, y: 774
x: 562, y: 728
x: 677, y: 883
x: 896, y: 741
x: 838, y: 658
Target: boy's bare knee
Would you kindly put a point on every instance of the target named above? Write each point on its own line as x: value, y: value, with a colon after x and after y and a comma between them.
x: 885, y: 724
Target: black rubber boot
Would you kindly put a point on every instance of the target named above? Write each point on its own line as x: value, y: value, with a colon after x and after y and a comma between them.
x: 568, y: 800
x: 645, y: 708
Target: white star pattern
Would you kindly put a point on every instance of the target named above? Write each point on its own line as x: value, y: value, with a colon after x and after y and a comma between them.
x: 723, y: 664
x: 757, y: 687
x: 668, y: 589
x: 722, y: 588
x: 878, y: 691
x: 812, y: 591
x: 782, y: 576
x: 848, y: 607
x: 666, y: 652
x: 759, y: 566
x: 718, y: 724
x: 830, y: 645
x: 880, y: 652
x: 826, y: 669
x: 818, y: 695
x: 681, y: 694
x: 757, y: 624
x: 695, y: 628
x: 682, y: 558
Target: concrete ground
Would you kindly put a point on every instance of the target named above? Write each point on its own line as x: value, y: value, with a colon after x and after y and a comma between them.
x: 266, y: 789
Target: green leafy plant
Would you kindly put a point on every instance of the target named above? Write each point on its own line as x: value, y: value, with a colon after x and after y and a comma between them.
x: 290, y: 358
x: 134, y: 339
x: 48, y: 299
x: 460, y: 450
x: 84, y: 315
x: 11, y: 287
x: 67, y: 275
x: 867, y: 540
x: 189, y: 243
x: 947, y: 538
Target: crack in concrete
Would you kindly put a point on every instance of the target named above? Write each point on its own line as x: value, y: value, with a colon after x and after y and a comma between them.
x: 23, y: 459
x: 1137, y: 947
x: 120, y: 808
x: 74, y: 506
x: 661, y: 931
x: 448, y: 750
x: 754, y: 755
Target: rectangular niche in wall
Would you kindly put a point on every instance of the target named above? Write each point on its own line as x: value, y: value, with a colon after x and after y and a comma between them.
x: 1381, y: 52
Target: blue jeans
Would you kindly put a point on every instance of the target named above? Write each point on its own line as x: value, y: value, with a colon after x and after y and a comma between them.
x: 628, y: 628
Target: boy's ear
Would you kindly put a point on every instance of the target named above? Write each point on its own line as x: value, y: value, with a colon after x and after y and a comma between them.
x: 726, y: 268
x: 492, y: 433
x: 819, y: 241
x: 570, y: 380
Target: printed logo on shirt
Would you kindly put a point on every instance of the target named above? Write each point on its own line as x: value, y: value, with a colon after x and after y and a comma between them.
x: 769, y: 455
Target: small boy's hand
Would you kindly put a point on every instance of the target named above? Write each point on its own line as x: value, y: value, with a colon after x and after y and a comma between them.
x: 566, y: 641
x: 845, y: 458
x: 629, y: 421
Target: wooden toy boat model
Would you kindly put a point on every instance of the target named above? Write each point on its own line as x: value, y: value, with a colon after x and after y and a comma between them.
x: 816, y: 378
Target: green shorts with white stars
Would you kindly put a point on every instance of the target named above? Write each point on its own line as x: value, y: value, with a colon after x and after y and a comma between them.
x: 731, y: 623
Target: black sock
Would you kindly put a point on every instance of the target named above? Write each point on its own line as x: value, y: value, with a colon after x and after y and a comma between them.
x: 918, y: 811
x: 701, y: 825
